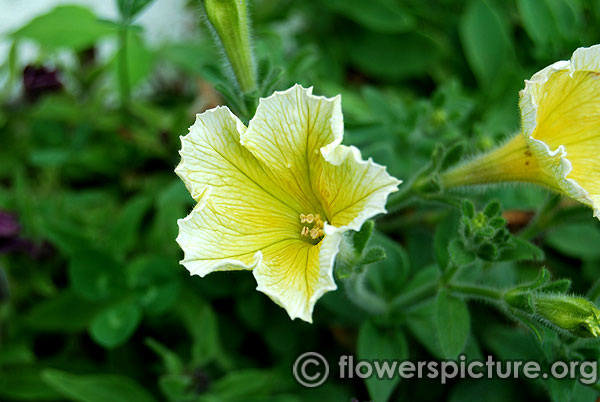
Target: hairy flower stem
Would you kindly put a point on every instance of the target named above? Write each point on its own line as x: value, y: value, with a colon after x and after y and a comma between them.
x: 510, y: 162
x: 361, y: 296
x: 477, y: 292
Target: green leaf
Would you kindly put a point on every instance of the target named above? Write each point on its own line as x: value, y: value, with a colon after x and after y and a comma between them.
x: 361, y: 238
x: 378, y: 15
x: 124, y: 233
x: 171, y: 361
x: 378, y: 344
x: 495, y: 390
x: 65, y: 312
x: 172, y: 203
x: 244, y: 384
x: 468, y: 209
x: 445, y: 231
x: 95, y: 275
x: 421, y: 322
x: 25, y: 385
x: 376, y: 54
x: 140, y: 59
x: 511, y: 343
x: 518, y: 249
x: 423, y: 278
x: 95, y: 388
x: 201, y: 322
x: 579, y: 240
x: 538, y: 21
x: 64, y: 235
x: 452, y: 323
x: 374, y: 254
x: 459, y: 255
x: 155, y: 280
x: 452, y: 156
x: 115, y: 324
x: 559, y: 286
x: 72, y: 27
x: 492, y: 209
x: 177, y: 387
x: 561, y: 390
x: 16, y: 354
x: 189, y: 56
x: 387, y: 277
x: 567, y: 14
x: 130, y: 8
x: 485, y: 39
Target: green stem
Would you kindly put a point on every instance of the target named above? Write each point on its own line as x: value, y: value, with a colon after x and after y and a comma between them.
x: 594, y: 291
x: 123, y: 68
x: 449, y: 273
x: 478, y: 292
x: 400, y: 198
x: 396, y: 223
x: 540, y: 221
x: 419, y: 187
x: 359, y: 294
x: 443, y: 199
x: 414, y: 296
x: 424, y: 292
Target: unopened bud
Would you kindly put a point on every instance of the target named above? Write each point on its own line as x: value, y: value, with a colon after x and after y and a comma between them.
x: 230, y: 20
x: 577, y: 315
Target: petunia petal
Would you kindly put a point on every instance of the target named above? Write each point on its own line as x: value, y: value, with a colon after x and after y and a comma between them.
x: 305, y: 151
x: 295, y: 274
x: 240, y: 209
x: 352, y: 190
x: 287, y: 133
x: 561, y: 118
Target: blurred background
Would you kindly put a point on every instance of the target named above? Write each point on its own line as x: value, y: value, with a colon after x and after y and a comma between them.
x: 93, y: 98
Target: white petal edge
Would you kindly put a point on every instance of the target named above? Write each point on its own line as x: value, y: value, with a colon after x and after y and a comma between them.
x: 337, y: 155
x: 583, y: 59
x: 203, y: 268
x: 336, y: 121
x: 181, y: 170
x: 201, y: 195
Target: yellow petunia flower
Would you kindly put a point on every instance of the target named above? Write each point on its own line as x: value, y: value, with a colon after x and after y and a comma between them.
x: 276, y: 197
x: 559, y: 146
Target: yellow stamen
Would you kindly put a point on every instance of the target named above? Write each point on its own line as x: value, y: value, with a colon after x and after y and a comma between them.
x: 315, y: 233
x: 312, y: 226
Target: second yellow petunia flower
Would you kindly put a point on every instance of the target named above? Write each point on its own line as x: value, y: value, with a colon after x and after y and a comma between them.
x: 559, y: 145
x: 276, y: 197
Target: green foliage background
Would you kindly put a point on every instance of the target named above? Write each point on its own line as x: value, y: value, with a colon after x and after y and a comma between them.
x: 96, y: 307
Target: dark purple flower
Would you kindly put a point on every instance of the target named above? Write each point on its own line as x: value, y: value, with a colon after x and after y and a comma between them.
x: 9, y: 227
x: 12, y: 242
x: 40, y: 80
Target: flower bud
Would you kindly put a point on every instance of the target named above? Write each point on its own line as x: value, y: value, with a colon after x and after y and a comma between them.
x: 230, y: 20
x: 576, y: 315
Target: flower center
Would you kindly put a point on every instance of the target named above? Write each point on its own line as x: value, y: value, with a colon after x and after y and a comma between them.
x: 312, y: 228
